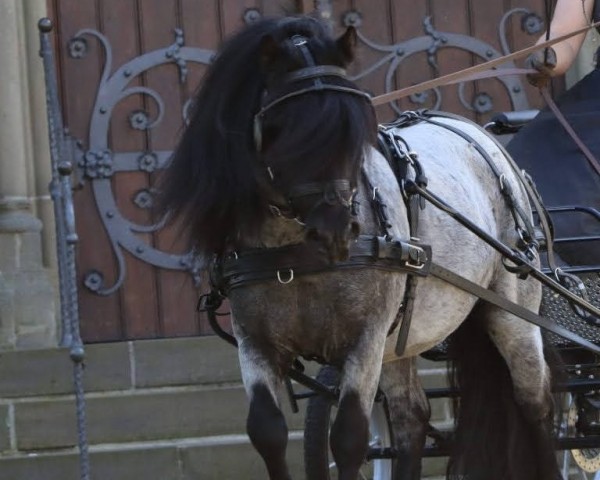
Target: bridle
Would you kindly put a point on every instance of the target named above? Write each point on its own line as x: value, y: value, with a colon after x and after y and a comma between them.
x: 333, y: 192
x: 316, y: 73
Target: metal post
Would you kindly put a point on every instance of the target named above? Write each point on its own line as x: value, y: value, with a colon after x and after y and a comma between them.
x: 66, y: 239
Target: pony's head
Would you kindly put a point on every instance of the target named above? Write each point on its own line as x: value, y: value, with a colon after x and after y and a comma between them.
x: 276, y: 126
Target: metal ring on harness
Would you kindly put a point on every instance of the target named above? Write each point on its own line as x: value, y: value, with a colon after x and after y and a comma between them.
x: 574, y: 284
x: 289, y: 280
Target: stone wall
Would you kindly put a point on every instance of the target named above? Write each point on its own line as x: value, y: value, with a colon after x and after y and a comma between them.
x: 27, y: 299
x: 157, y: 410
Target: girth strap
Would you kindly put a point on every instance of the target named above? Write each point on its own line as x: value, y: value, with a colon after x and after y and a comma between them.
x: 286, y: 263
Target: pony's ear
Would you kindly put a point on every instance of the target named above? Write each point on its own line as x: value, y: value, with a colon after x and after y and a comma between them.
x: 269, y: 50
x: 347, y: 44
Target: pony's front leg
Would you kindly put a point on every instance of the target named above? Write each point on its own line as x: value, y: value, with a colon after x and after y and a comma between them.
x: 349, y: 436
x: 266, y: 425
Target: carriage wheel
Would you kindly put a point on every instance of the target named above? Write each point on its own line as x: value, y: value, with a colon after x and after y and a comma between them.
x: 318, y: 462
x: 587, y: 461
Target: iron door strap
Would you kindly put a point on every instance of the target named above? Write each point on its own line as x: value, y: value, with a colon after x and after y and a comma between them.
x: 511, y: 307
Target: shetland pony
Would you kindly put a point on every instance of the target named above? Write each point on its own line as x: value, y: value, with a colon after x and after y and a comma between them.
x: 279, y: 156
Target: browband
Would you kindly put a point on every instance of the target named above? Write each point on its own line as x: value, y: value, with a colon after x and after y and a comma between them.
x: 314, y: 72
x: 313, y: 88
x: 311, y: 71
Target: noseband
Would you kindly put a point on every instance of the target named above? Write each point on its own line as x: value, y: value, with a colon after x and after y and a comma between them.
x: 333, y: 192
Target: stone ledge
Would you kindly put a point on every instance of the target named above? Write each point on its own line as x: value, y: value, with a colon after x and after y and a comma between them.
x: 190, y: 459
x: 157, y: 363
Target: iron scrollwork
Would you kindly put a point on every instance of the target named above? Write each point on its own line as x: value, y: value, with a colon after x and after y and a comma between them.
x: 97, y: 163
x: 432, y: 43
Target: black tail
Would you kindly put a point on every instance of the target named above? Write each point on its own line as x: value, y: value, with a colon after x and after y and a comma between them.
x: 495, y: 439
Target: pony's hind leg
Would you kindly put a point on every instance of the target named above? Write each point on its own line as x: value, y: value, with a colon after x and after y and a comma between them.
x: 266, y: 425
x: 349, y: 436
x: 521, y: 346
x: 504, y: 427
x: 409, y: 414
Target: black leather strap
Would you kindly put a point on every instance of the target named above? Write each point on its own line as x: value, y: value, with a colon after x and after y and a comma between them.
x: 521, y: 219
x: 286, y: 263
x: 405, y: 314
x: 528, y: 184
x: 315, y: 72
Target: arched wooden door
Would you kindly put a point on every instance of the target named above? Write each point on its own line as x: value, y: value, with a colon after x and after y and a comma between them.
x: 144, y: 59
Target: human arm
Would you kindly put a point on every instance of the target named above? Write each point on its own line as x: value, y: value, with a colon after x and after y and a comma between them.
x: 569, y: 15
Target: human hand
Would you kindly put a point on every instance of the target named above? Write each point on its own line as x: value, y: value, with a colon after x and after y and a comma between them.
x: 544, y: 61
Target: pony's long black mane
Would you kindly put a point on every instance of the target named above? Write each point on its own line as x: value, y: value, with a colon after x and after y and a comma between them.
x: 211, y: 185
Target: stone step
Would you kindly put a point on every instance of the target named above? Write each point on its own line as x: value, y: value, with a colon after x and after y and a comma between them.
x: 222, y: 458
x: 121, y: 417
x: 137, y: 416
x: 171, y: 408
x: 120, y: 366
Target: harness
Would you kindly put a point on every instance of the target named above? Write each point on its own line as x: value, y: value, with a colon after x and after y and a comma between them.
x: 338, y: 191
x: 284, y: 264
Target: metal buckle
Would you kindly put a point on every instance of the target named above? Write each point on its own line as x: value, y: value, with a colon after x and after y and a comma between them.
x: 416, y: 264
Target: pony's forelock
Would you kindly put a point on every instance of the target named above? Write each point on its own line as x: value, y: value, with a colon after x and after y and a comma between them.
x: 211, y: 183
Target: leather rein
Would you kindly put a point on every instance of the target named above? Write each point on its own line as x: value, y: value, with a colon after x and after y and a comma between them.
x: 483, y: 70
x: 489, y: 70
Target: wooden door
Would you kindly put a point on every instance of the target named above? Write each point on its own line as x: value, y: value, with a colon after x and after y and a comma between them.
x: 135, y: 280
